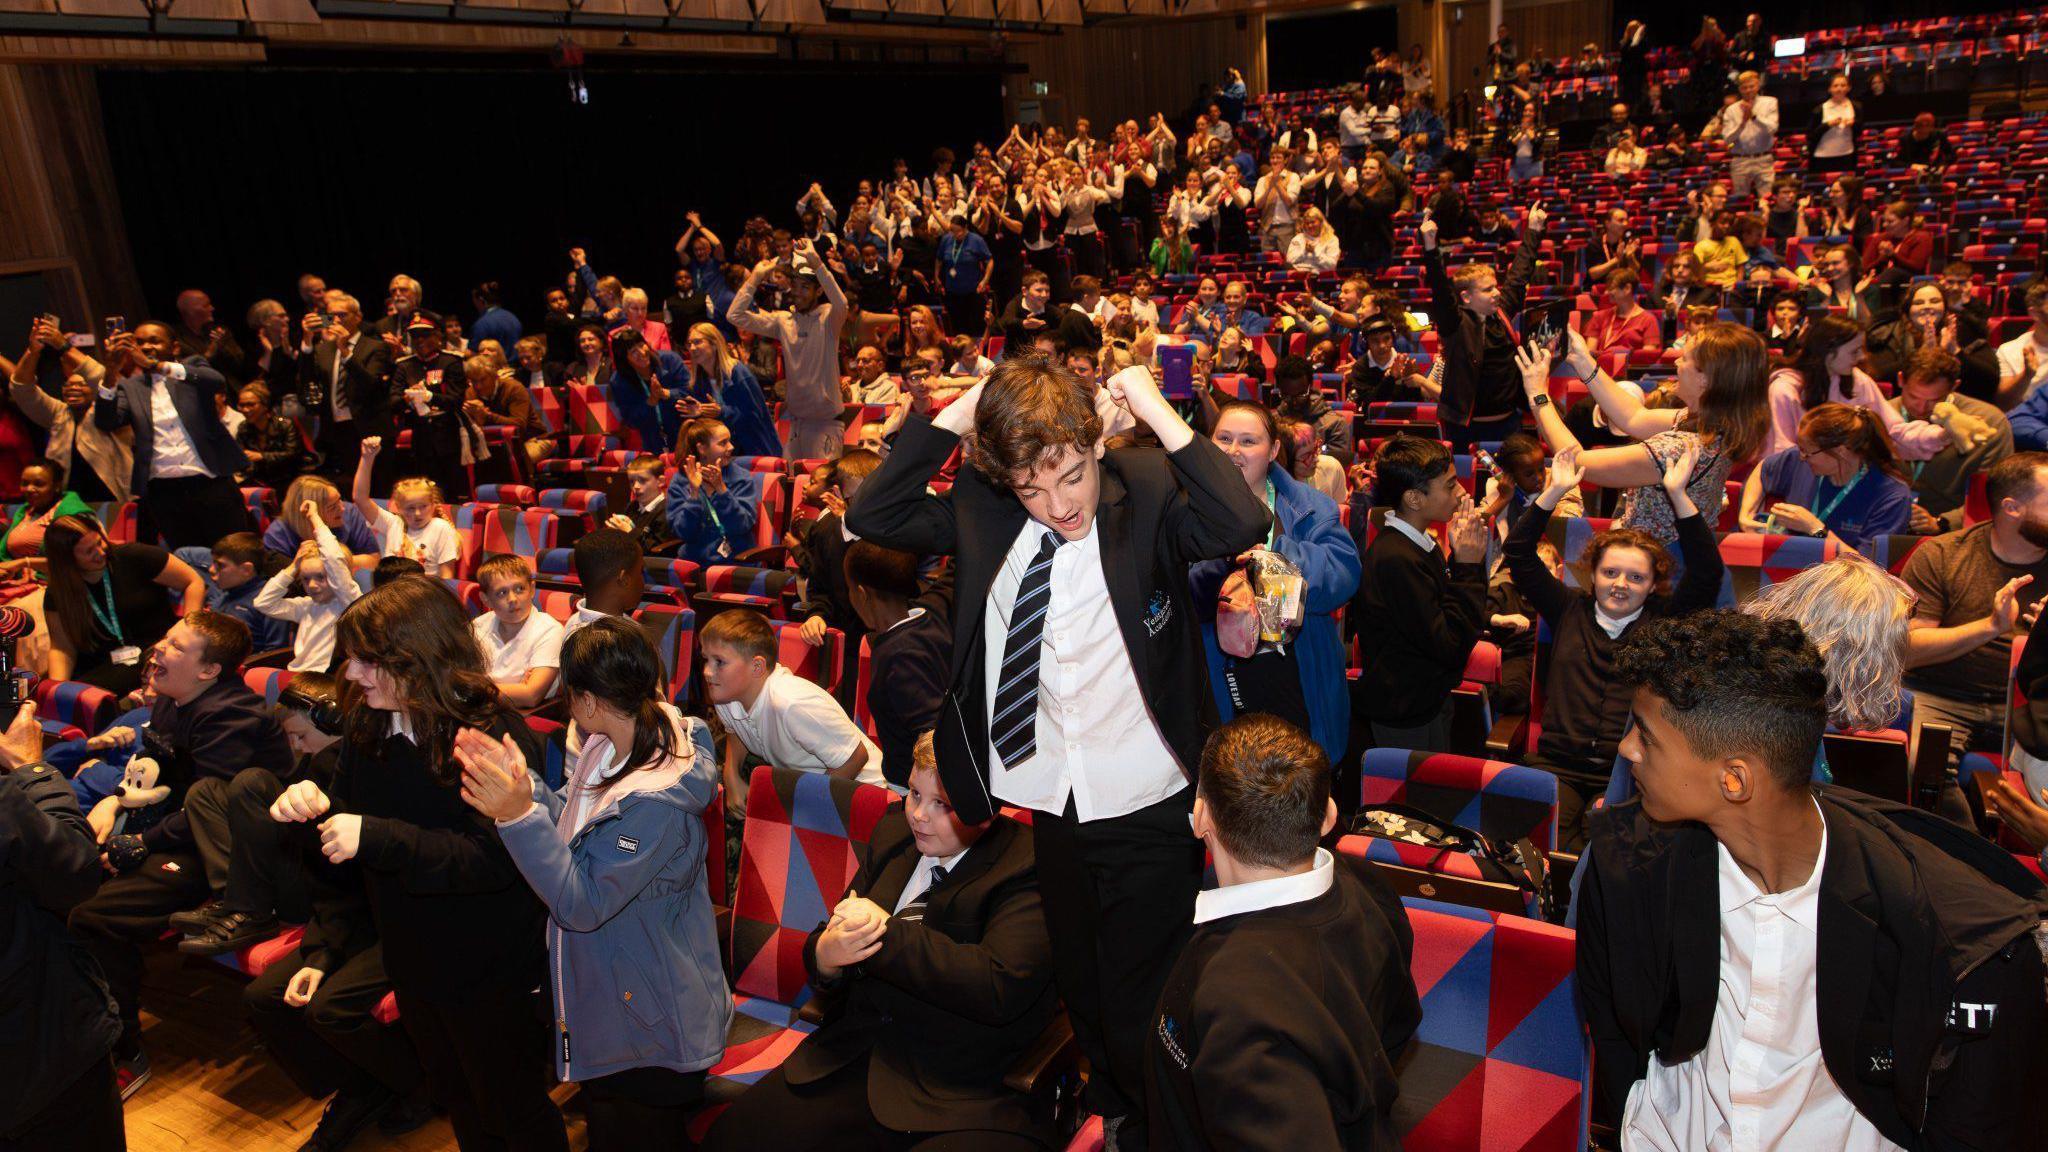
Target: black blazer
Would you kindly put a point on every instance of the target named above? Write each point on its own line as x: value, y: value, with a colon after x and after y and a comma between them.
x: 1157, y: 514
x: 194, y: 399
x: 908, y: 675
x: 1920, y: 922
x: 366, y: 376
x: 947, y: 1005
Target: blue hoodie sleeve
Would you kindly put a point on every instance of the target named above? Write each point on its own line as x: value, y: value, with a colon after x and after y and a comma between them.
x: 1327, y: 556
x: 738, y: 507
x: 629, y: 396
x: 2030, y: 422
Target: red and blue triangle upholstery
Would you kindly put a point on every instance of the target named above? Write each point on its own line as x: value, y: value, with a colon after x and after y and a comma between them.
x: 521, y: 495
x: 118, y: 519
x: 1499, y: 800
x: 547, y: 404
x: 1755, y: 562
x: 470, y: 593
x: 670, y: 572
x: 554, y: 743
x: 820, y: 665
x: 863, y: 677
x: 560, y: 605
x: 262, y: 505
x: 769, y: 584
x: 1501, y: 1061
x: 267, y: 682
x: 73, y: 709
x: 762, y: 463
x: 674, y: 632
x: 773, y: 515
x: 797, y: 855
x: 1422, y: 858
x: 581, y: 452
x: 558, y: 564
x: 585, y: 502
x: 1419, y: 412
x: 591, y: 414
x: 1893, y: 551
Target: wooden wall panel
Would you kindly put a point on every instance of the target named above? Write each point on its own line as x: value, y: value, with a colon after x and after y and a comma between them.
x: 1129, y: 71
x: 63, y: 216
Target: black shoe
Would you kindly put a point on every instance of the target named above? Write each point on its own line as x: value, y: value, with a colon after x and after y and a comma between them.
x: 405, y: 1115
x: 233, y: 930
x: 344, y: 1119
x: 198, y: 919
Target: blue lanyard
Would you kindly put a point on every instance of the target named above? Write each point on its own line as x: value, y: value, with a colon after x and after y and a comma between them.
x: 108, y: 618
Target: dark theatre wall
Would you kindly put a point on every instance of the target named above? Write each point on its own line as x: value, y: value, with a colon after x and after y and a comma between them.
x: 237, y: 181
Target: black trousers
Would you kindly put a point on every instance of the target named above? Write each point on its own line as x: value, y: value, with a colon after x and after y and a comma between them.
x: 967, y: 314
x: 1119, y: 898
x: 832, y: 1115
x: 86, y: 1117
x: 642, y: 1108
x: 485, y: 1059
x: 129, y: 912
x: 1091, y: 257
x: 191, y: 511
x: 333, y: 1043
x: 253, y: 863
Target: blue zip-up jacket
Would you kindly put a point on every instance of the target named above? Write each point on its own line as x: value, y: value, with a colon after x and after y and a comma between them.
x: 659, y: 425
x: 2030, y: 422
x: 633, y: 959
x: 1313, y: 536
x: 265, y: 632
x: 691, y: 515
x: 744, y: 409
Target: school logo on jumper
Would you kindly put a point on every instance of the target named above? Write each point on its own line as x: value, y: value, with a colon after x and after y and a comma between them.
x: 1158, y: 613
x: 1971, y: 1018
x: 1169, y: 1038
x: 628, y: 844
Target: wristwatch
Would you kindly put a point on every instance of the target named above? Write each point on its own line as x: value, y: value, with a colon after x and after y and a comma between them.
x: 1539, y: 400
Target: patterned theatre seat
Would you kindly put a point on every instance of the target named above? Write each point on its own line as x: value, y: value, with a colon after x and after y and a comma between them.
x: 1499, y: 800
x: 1500, y: 1062
x: 73, y: 709
x: 1755, y: 562
x: 803, y: 831
x: 267, y: 682
x: 674, y: 632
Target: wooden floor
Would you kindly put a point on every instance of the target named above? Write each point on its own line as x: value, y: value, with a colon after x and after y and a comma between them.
x: 211, y: 1087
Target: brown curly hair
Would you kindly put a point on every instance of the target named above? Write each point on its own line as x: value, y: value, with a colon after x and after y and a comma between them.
x: 1031, y: 408
x: 415, y: 629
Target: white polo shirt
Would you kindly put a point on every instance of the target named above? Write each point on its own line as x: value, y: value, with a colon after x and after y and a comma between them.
x: 537, y: 644
x: 796, y: 724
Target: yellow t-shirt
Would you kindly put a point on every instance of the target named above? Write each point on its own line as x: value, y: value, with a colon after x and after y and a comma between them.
x: 1722, y: 260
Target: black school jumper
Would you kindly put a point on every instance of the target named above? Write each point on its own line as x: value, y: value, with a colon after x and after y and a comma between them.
x: 1119, y: 892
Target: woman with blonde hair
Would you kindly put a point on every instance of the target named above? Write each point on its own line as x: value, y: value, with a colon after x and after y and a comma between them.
x: 723, y: 388
x: 633, y: 303
x: 292, y: 528
x: 1857, y: 615
x: 1723, y: 388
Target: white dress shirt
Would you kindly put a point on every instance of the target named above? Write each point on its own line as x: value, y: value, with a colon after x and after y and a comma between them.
x: 1755, y: 135
x: 1259, y: 895
x: 1760, y: 1082
x: 172, y: 454
x: 1422, y: 539
x: 1097, y: 742
x: 921, y: 877
x: 537, y: 644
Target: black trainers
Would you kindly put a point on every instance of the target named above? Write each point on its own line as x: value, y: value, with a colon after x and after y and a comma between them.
x: 197, y: 920
x: 345, y: 1117
x: 231, y: 931
x: 405, y: 1115
x: 131, y: 1074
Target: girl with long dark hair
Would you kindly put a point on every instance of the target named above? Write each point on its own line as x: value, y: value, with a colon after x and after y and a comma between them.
x: 1827, y: 368
x: 106, y: 602
x: 618, y: 856
x: 461, y: 933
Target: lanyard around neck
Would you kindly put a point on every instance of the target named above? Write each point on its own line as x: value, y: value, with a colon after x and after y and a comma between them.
x: 1842, y: 494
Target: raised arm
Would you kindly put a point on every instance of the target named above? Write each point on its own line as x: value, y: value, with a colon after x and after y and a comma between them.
x: 1624, y: 409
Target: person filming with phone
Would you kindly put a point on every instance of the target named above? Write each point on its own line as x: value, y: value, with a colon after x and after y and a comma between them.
x: 1482, y: 391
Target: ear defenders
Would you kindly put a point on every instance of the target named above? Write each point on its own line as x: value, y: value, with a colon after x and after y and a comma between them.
x: 323, y: 711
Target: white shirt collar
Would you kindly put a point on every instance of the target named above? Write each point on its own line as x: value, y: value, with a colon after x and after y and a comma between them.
x: 1260, y: 895
x: 400, y: 726
x: 1801, y: 904
x: 1612, y: 626
x: 915, y: 612
x: 1422, y: 539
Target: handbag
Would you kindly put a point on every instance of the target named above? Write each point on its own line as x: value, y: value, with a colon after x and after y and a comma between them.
x: 1519, y: 863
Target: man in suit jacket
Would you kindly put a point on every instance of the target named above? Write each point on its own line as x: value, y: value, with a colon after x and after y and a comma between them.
x: 935, y: 975
x: 183, y: 473
x: 345, y: 383
x: 1078, y: 687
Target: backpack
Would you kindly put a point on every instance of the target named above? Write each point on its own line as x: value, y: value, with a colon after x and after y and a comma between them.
x: 1520, y: 863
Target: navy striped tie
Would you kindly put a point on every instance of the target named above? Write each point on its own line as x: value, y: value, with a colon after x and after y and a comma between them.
x: 1014, y: 720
